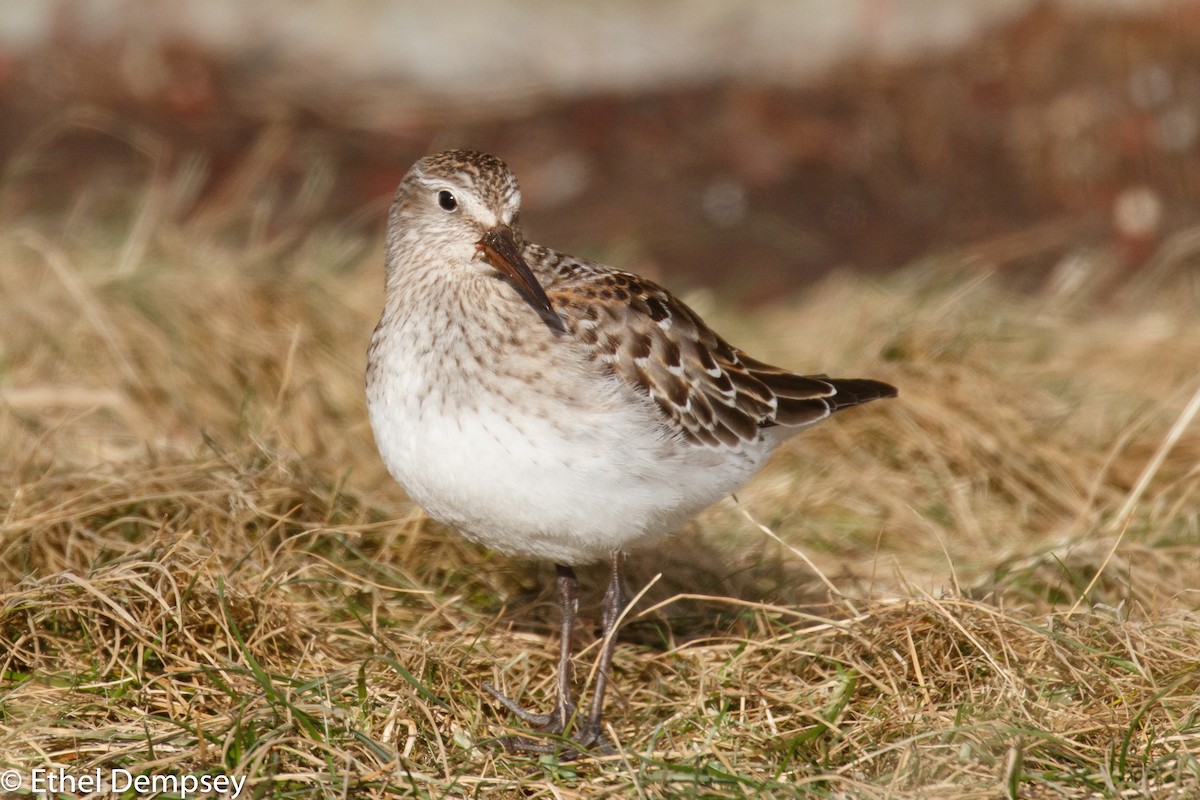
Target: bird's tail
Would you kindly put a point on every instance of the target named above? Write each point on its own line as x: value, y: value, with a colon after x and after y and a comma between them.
x: 804, y: 399
x: 856, y: 391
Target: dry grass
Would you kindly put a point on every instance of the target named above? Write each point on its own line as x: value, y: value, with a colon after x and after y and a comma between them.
x: 203, y: 567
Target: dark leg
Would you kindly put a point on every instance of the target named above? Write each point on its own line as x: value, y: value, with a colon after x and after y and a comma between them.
x: 568, y: 606
x: 568, y: 609
x: 611, y: 608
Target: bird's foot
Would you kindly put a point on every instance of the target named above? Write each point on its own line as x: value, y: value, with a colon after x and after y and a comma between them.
x: 560, y: 733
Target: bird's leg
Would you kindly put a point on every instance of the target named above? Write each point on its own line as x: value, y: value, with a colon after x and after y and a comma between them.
x: 568, y: 609
x: 559, y: 721
x: 590, y: 734
x: 610, y: 610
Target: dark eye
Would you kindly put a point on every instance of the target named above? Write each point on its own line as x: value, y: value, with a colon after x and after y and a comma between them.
x: 447, y: 201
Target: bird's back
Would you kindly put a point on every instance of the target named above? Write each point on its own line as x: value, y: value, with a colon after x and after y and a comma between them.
x: 709, y: 393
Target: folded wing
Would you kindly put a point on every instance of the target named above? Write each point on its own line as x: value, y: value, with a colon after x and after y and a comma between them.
x: 708, y: 391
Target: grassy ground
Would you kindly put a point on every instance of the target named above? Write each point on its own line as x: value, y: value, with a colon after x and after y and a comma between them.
x: 205, y: 569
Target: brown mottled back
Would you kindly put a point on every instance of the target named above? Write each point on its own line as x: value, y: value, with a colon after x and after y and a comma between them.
x: 708, y: 391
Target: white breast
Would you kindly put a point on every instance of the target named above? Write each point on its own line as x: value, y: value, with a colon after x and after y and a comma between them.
x: 564, y: 463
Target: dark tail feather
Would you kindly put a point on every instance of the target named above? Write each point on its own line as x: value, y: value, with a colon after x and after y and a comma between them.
x: 856, y: 391
x: 800, y: 411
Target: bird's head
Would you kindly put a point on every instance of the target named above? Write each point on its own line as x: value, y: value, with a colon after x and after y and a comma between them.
x: 458, y: 209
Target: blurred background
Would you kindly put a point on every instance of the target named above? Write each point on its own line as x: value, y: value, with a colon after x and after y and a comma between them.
x: 747, y: 146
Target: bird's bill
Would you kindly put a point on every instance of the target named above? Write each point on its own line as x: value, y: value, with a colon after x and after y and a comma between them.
x: 500, y: 250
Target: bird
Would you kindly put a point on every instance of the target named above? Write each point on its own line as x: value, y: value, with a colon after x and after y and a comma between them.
x: 550, y: 407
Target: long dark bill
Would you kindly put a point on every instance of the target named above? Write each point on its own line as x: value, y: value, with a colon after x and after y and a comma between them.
x: 500, y: 250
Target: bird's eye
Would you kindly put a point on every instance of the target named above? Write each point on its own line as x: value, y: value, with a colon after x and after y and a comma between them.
x: 447, y: 201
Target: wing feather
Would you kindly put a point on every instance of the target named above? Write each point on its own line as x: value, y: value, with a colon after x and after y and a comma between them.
x: 708, y: 391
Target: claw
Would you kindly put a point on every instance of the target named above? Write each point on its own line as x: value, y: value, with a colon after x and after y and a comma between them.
x: 560, y: 738
x: 542, y: 721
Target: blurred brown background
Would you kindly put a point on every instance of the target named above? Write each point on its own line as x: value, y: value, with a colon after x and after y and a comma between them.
x: 748, y: 146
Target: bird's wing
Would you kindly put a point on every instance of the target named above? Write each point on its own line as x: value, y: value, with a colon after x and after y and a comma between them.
x: 708, y: 391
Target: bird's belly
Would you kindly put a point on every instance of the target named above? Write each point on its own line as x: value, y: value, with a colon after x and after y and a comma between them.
x: 569, y: 483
